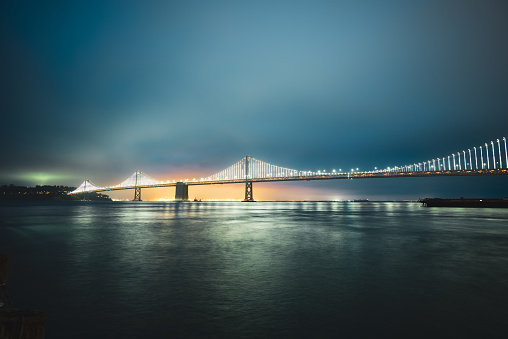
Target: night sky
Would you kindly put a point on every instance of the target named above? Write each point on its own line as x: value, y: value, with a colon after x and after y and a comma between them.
x: 99, y: 89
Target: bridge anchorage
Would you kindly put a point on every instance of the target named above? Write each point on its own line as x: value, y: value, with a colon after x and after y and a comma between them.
x: 487, y: 159
x: 182, y: 191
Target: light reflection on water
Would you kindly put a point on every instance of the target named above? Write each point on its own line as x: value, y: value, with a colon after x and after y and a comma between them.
x: 258, y: 269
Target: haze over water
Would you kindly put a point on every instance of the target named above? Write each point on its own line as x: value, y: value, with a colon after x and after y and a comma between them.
x: 288, y: 269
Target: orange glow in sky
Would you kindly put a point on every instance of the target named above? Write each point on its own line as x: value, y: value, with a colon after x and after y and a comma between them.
x: 262, y: 191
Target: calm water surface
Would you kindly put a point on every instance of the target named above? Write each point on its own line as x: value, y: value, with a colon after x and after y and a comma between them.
x: 304, y: 269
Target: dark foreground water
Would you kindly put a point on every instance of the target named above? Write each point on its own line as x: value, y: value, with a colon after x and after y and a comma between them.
x: 160, y: 270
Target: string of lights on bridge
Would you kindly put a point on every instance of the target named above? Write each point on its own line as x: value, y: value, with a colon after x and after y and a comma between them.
x: 483, y: 159
x: 489, y: 156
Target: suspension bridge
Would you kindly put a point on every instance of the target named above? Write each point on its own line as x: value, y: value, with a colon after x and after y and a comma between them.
x: 488, y: 159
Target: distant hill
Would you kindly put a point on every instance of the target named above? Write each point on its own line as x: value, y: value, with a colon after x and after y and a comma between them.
x: 46, y: 192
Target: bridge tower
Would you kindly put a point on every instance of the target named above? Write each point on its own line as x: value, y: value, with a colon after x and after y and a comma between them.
x: 137, y: 190
x: 248, y: 179
x: 84, y: 192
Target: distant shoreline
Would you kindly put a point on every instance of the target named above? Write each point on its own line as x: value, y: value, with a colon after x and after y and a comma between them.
x: 45, y: 193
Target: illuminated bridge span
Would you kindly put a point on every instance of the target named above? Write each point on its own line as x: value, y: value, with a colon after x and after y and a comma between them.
x: 488, y: 159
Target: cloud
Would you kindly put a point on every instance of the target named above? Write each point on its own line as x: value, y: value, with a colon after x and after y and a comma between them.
x: 99, y: 90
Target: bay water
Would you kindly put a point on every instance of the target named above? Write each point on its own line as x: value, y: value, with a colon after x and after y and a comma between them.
x: 258, y: 270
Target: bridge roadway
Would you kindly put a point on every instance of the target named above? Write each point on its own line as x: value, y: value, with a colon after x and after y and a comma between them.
x: 323, y: 176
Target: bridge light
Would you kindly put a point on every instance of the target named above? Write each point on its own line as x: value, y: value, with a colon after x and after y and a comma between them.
x: 505, y: 153
x: 500, y: 157
x: 487, y: 152
x: 493, y: 154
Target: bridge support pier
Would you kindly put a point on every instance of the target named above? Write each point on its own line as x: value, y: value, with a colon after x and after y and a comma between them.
x: 137, y: 194
x: 182, y: 191
x: 248, y: 191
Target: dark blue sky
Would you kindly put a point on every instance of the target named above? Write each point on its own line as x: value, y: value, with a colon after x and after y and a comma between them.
x: 98, y: 89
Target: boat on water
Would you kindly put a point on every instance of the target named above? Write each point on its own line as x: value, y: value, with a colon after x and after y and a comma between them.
x: 463, y: 202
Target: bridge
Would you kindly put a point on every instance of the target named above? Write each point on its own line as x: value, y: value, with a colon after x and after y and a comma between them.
x: 488, y: 159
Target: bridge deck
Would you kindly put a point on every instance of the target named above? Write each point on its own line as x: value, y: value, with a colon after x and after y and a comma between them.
x: 331, y: 176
